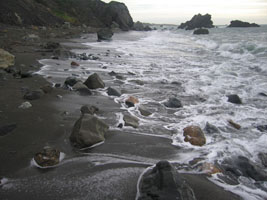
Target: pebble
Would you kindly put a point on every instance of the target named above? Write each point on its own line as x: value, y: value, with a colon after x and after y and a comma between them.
x: 25, y: 105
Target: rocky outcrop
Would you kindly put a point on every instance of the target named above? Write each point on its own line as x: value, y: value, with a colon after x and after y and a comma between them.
x: 94, y: 82
x: 198, y: 21
x: 48, y: 157
x: 163, y: 182
x: 238, y: 23
x: 104, y: 34
x: 87, y: 131
x: 194, y: 135
x: 201, y: 31
x: 6, y: 59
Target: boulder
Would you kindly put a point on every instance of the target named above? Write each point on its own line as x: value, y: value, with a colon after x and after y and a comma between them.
x: 201, y: 31
x: 47, y: 88
x: 94, y: 82
x: 234, y: 98
x: 130, y: 121
x: 262, y: 128
x: 87, y: 131
x: 113, y: 92
x: 194, y: 135
x: 82, y: 89
x: 71, y: 81
x: 233, y: 124
x: 139, y: 26
x: 242, y: 166
x: 104, y: 34
x: 211, y: 129
x: 33, y: 95
x: 89, y: 110
x: 163, y: 182
x: 144, y: 111
x: 48, y: 157
x: 173, y: 103
x: 131, y: 101
x: 4, y: 130
x: 263, y: 158
x: 238, y: 23
x: 198, y: 21
x: 6, y: 59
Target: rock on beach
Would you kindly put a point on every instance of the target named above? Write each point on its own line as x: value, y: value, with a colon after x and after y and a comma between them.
x: 194, y: 135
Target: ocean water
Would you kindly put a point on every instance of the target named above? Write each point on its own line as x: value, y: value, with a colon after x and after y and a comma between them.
x: 199, y: 70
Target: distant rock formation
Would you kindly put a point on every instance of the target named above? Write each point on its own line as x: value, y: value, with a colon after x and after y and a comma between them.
x: 238, y: 23
x: 201, y: 31
x: 139, y: 26
x: 93, y: 13
x: 198, y: 21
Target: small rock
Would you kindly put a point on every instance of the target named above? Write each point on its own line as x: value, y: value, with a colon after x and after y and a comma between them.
x: 120, y: 125
x: 138, y: 82
x: 194, y: 135
x: 113, y: 92
x: 57, y: 85
x: 201, y: 31
x: 234, y: 98
x: 71, y: 81
x: 173, y: 103
x: 33, y: 95
x: 210, y: 129
x: 263, y: 94
x: 233, y: 124
x: 82, y: 89
x: 47, y: 89
x: 74, y: 64
x: 59, y: 96
x: 48, y: 157
x: 94, y: 82
x: 210, y: 168
x: 89, y: 110
x: 51, y: 45
x: 144, y: 111
x: 25, y: 105
x: 120, y: 77
x: 112, y: 73
x: 104, y: 34
x: 25, y: 74
x: 263, y: 158
x: 130, y: 121
x: 262, y: 128
x: 6, y: 59
x: 131, y: 101
x: 4, y: 130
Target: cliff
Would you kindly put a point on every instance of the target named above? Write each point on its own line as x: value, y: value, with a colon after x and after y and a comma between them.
x: 54, y: 12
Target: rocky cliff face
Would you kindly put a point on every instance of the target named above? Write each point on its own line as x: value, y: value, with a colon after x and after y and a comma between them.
x: 52, y: 12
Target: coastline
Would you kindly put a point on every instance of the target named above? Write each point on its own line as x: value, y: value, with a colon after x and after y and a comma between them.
x: 50, y: 121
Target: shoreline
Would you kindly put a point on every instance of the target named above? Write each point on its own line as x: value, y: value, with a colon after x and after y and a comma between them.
x: 50, y: 121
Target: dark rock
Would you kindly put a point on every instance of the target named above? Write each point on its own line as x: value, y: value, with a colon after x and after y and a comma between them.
x: 263, y: 94
x: 144, y: 111
x: 104, y: 34
x: 263, y: 158
x: 74, y: 64
x: 194, y: 135
x: 89, y: 110
x: 120, y: 125
x: 33, y: 95
x: 201, y: 31
x: 119, y: 77
x: 82, y: 89
x: 234, y: 98
x: 238, y: 23
x: 173, y: 103
x: 262, y: 128
x: 130, y: 121
x: 198, y: 21
x: 131, y: 101
x: 25, y: 74
x: 47, y: 89
x: 47, y: 157
x: 163, y: 182
x: 112, y: 73
x: 138, y: 82
x: 71, y: 81
x: 113, y: 92
x: 139, y: 26
x: 52, y: 45
x: 57, y: 85
x: 242, y: 166
x: 87, y: 131
x: 210, y: 129
x: 94, y: 82
x: 233, y: 124
x: 4, y: 130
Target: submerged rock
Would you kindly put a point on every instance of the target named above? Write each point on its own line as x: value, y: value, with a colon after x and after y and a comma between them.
x: 47, y: 88
x: 131, y: 101
x: 104, y: 34
x: 130, y: 121
x: 194, y: 135
x: 4, y: 130
x: 89, y: 110
x: 198, y: 21
x: 48, y: 157
x: 6, y: 59
x: 144, y: 111
x: 82, y: 89
x: 238, y: 23
x: 234, y: 98
x: 33, y: 95
x: 262, y: 128
x: 201, y: 31
x: 87, y: 131
x: 71, y: 81
x: 263, y: 158
x: 113, y: 92
x: 233, y: 124
x: 51, y: 45
x: 173, y: 103
x: 163, y: 182
x: 94, y: 82
x: 210, y: 129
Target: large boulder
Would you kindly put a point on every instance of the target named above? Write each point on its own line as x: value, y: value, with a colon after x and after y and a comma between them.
x: 201, y: 31
x: 198, y: 21
x: 6, y: 59
x: 194, y: 135
x: 104, y: 34
x: 163, y: 182
x: 238, y: 23
x: 87, y: 131
x: 94, y: 82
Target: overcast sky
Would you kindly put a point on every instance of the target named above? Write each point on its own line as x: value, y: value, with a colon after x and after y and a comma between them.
x: 177, y: 11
